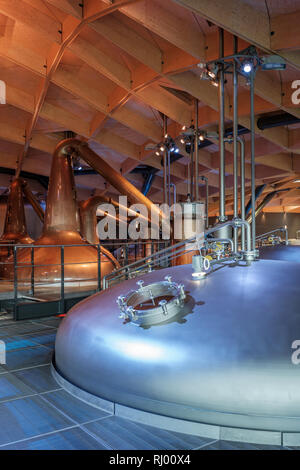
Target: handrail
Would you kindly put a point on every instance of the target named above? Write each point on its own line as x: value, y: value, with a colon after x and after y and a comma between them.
x: 172, y: 251
x: 279, y: 229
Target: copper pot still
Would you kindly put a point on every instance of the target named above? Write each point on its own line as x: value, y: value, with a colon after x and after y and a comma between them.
x: 15, y: 230
x: 61, y: 227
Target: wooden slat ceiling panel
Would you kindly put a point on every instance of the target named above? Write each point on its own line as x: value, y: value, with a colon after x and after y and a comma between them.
x: 121, y: 71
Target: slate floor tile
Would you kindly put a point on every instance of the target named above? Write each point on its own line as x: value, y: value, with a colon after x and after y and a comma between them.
x: 71, y: 439
x: 38, y: 379
x: 29, y: 417
x: 74, y: 408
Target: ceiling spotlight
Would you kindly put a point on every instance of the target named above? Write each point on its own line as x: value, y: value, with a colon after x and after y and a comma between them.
x: 157, y: 153
x: 162, y: 148
x: 201, y: 137
x: 183, y: 128
x: 182, y: 141
x: 215, y: 83
x: 247, y: 67
x: 176, y: 150
x: 166, y: 136
x: 211, y: 74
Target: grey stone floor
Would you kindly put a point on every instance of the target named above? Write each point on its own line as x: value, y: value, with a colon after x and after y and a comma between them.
x: 35, y: 413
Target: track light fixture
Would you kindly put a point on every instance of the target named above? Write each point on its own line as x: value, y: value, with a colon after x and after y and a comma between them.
x: 168, y: 144
x: 248, y: 62
x: 208, y: 73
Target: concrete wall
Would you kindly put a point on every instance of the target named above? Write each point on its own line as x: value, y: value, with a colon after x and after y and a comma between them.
x: 269, y: 221
x: 265, y: 222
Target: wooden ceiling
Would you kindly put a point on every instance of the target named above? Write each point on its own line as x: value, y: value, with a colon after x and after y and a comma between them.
x: 106, y: 70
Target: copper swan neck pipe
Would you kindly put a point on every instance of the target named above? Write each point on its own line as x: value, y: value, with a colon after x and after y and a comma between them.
x: 118, y: 181
x: 33, y: 201
x: 88, y: 218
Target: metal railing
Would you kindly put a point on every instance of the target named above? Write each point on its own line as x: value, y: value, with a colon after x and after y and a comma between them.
x: 264, y: 237
x: 27, y: 281
x: 165, y: 257
x: 24, y: 280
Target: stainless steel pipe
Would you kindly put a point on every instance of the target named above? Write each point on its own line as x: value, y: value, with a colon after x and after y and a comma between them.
x: 205, y: 179
x: 174, y: 192
x: 192, y: 171
x: 196, y: 143
x: 252, y: 130
x: 165, y: 157
x: 235, y: 141
x: 222, y: 216
x: 242, y: 194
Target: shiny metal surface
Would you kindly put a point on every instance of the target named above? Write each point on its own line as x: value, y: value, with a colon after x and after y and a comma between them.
x: 281, y: 253
x: 153, y: 303
x: 61, y: 227
x: 222, y: 216
x: 88, y: 218
x: 110, y: 174
x: 193, y: 222
x: 227, y: 361
x: 15, y: 230
x: 33, y: 201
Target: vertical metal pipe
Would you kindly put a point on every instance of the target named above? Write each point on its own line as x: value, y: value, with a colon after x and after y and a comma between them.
x: 174, y: 193
x: 169, y: 177
x: 242, y: 176
x: 165, y: 158
x: 15, y: 282
x: 32, y: 270
x: 192, y: 170
x: 235, y: 143
x: 252, y: 119
x: 222, y: 217
x: 196, y: 151
x: 205, y: 179
x: 98, y: 267
x: 189, y: 178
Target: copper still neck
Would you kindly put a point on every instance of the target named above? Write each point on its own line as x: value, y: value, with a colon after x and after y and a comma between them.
x: 61, y: 210
x: 15, y: 223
